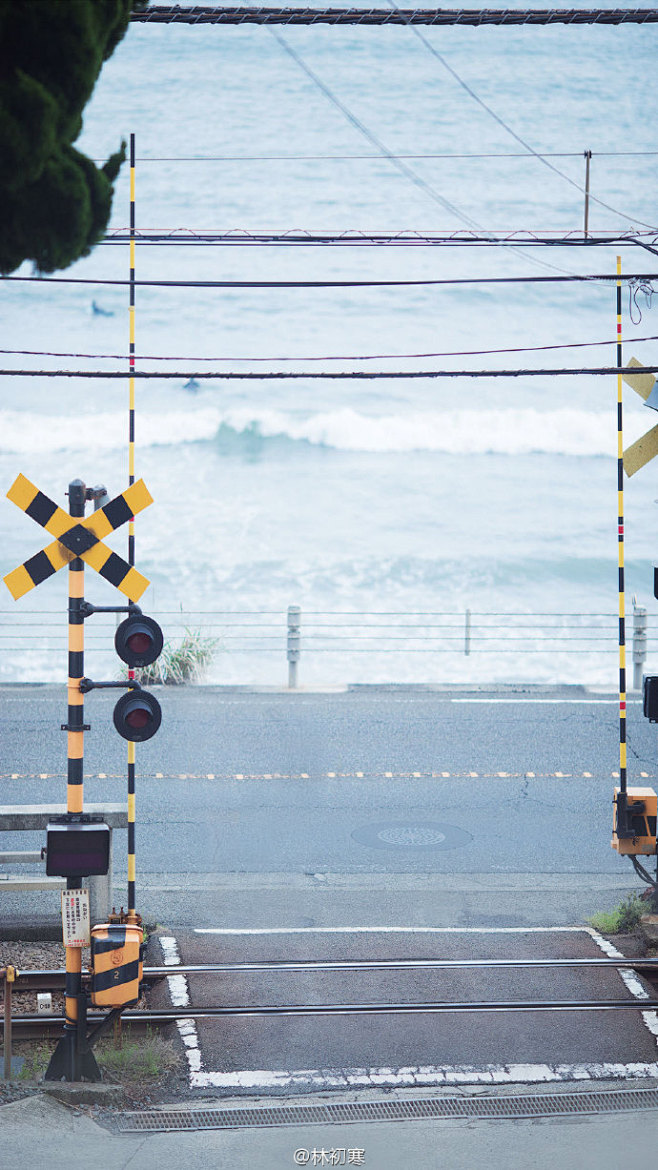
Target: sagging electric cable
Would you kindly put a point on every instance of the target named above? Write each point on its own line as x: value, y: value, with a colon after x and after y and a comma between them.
x: 407, y: 171
x: 507, y: 128
x: 336, y: 375
x: 335, y: 357
x: 563, y: 278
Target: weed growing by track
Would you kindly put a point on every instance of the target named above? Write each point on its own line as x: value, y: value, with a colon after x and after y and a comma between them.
x: 623, y: 919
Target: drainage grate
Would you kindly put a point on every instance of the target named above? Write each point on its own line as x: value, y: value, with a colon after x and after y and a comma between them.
x: 476, y: 1107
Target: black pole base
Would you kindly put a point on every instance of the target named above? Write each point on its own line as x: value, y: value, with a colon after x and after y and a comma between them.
x: 73, y: 1059
x: 67, y: 1064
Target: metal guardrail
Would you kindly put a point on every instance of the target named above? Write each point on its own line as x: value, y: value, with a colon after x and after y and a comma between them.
x: 18, y: 818
x: 294, y: 632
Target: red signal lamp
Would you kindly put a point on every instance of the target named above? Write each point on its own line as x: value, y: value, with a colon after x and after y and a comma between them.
x: 137, y: 715
x: 138, y: 640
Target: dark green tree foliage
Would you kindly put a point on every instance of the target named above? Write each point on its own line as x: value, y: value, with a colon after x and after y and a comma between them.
x: 54, y: 201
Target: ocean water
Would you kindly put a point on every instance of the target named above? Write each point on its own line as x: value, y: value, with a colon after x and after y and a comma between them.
x: 379, y: 497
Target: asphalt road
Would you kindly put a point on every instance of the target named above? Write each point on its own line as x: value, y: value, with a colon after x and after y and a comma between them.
x: 425, y: 805
x: 278, y: 823
x: 297, y: 1053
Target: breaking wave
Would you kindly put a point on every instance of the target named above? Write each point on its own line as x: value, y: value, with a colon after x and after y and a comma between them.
x: 454, y: 432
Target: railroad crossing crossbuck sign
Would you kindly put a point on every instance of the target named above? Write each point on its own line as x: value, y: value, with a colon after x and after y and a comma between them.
x: 645, y: 448
x: 77, y: 538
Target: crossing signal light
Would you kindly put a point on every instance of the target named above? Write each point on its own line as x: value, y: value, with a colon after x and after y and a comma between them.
x: 138, y: 640
x: 137, y: 715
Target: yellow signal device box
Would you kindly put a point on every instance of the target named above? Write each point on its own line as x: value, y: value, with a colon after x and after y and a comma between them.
x: 116, y: 964
x: 643, y: 822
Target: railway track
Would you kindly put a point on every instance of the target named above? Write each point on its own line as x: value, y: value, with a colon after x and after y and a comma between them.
x: 39, y: 1026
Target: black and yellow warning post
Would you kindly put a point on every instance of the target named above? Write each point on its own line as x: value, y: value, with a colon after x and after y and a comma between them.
x: 621, y: 827
x: 634, y: 822
x: 132, y: 914
x: 73, y: 1058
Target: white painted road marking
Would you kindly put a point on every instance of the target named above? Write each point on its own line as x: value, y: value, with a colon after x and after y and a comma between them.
x: 395, y: 930
x: 421, y: 1075
x: 550, y: 702
x: 180, y: 997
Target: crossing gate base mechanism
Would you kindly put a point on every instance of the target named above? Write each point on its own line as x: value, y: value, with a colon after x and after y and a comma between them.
x: 641, y: 804
x: 116, y: 964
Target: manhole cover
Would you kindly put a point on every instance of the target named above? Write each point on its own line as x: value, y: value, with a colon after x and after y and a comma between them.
x: 411, y: 836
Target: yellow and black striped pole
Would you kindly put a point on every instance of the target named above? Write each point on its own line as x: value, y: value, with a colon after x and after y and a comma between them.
x: 75, y: 727
x: 75, y: 737
x: 621, y: 799
x: 131, y: 523
x: 73, y: 1058
x: 131, y: 358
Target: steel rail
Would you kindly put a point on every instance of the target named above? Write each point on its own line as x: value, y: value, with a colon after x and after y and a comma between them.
x: 169, y: 1015
x: 364, y: 965
x: 395, y: 965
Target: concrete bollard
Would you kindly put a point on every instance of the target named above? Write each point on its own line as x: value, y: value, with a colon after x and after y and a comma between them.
x: 294, y: 640
x: 639, y: 644
x: 100, y: 893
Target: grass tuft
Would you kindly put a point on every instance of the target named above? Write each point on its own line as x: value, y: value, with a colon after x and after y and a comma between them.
x: 127, y: 1062
x: 36, y: 1056
x: 180, y: 664
x: 148, y: 1058
x: 623, y: 919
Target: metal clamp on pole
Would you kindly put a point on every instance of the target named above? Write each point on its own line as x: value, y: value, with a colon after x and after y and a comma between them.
x: 294, y: 643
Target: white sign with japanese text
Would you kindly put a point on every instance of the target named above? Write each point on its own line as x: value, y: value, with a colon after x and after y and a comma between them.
x: 75, y: 918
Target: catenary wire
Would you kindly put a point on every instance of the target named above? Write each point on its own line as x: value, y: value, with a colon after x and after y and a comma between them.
x: 337, y: 375
x: 507, y: 128
x: 591, y: 277
x: 209, y: 14
x: 408, y: 172
x: 360, y: 126
x: 407, y: 18
x: 203, y: 14
x: 327, y: 357
x: 517, y: 237
x: 375, y: 157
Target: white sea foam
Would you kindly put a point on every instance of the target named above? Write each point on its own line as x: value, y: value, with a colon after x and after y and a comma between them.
x: 29, y: 434
x: 457, y: 432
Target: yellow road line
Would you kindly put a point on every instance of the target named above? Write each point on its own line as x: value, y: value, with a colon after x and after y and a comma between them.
x: 331, y: 776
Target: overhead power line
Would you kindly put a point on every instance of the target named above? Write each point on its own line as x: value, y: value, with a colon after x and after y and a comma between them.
x: 335, y: 357
x: 207, y: 14
x: 402, y: 167
x: 513, y: 239
x: 627, y: 278
x: 314, y: 375
x: 360, y: 126
x: 399, y: 154
x: 509, y: 129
